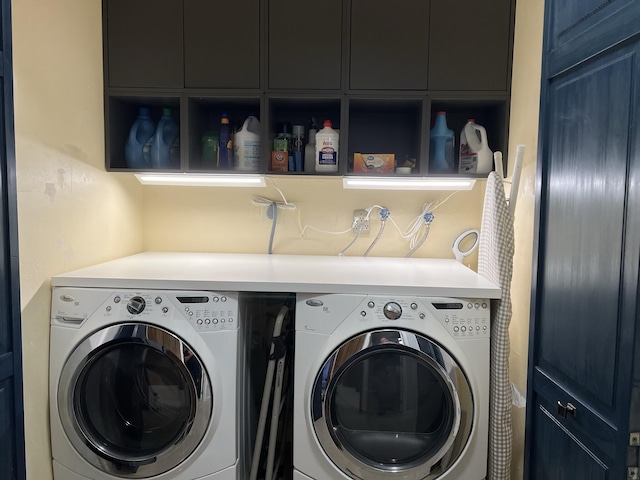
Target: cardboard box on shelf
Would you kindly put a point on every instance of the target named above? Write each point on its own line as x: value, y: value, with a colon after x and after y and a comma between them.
x: 279, y: 161
x: 373, y: 162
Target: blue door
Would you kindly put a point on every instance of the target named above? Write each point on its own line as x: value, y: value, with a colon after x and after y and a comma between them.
x: 584, y: 364
x: 12, y: 463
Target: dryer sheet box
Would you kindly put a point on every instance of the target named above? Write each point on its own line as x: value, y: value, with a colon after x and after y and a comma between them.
x: 383, y: 163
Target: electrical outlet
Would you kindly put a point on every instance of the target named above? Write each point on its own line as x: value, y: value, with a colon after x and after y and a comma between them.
x: 361, y: 220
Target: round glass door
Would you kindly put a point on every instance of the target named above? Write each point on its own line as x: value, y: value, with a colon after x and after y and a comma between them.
x: 391, y: 403
x: 134, y: 400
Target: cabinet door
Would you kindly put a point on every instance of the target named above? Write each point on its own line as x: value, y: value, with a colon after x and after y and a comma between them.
x: 305, y: 45
x: 389, y: 44
x: 573, y: 17
x: 222, y: 44
x: 586, y: 306
x: 144, y: 39
x: 469, y: 45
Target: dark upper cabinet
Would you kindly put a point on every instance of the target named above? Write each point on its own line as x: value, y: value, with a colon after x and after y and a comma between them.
x: 469, y: 45
x: 304, y: 45
x: 368, y: 65
x: 144, y: 43
x: 222, y: 44
x: 389, y: 44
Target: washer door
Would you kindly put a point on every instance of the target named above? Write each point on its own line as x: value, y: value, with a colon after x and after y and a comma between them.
x: 392, y: 404
x: 134, y: 400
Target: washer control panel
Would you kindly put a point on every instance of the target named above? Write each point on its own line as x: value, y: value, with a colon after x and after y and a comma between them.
x: 210, y: 311
x: 205, y: 311
x: 461, y: 317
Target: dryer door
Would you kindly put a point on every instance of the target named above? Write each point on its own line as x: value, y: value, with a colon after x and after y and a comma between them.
x: 392, y: 404
x: 134, y: 400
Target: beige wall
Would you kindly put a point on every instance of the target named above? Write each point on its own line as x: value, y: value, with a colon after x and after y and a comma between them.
x: 226, y: 220
x: 71, y: 212
x: 525, y: 100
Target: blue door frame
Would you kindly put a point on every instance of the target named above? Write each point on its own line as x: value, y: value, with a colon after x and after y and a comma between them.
x: 12, y: 453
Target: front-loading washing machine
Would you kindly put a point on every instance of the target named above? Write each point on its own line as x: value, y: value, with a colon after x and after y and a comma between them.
x: 390, y: 387
x: 144, y: 384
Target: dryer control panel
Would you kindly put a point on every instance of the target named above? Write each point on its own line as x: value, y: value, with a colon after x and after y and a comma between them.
x: 461, y: 317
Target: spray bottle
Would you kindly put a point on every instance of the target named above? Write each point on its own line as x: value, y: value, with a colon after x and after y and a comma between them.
x: 310, y: 148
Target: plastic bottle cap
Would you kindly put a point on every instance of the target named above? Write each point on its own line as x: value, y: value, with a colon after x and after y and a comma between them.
x: 144, y: 111
x: 166, y: 112
x: 471, y: 120
x: 442, y: 113
x: 298, y: 129
x: 327, y: 123
x: 224, y: 120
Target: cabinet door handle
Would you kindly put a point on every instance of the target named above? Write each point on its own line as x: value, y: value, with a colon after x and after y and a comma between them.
x: 569, y: 408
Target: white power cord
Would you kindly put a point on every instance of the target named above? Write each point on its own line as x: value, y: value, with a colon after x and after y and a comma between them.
x: 428, y: 219
x: 265, y: 202
x: 342, y: 232
x: 412, y: 232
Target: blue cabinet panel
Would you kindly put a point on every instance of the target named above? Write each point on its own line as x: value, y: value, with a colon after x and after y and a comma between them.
x: 587, y: 159
x: 579, y: 29
x: 585, y: 308
x: 572, y: 17
x: 7, y: 431
x: 566, y: 458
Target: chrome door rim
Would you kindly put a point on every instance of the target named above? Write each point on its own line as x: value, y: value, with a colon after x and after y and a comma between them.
x: 149, y: 465
x: 431, y: 467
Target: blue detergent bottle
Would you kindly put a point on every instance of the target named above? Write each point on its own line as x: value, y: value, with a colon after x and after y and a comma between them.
x: 165, y: 146
x: 441, y: 150
x: 137, y: 149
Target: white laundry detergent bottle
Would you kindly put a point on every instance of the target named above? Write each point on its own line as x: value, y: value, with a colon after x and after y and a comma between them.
x: 327, y: 149
x: 475, y: 154
x: 246, y: 146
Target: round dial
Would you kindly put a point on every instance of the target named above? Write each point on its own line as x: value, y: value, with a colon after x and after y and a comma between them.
x: 136, y: 305
x: 392, y: 311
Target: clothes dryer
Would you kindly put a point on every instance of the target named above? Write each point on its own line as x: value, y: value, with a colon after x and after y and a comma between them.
x: 391, y: 387
x: 143, y: 384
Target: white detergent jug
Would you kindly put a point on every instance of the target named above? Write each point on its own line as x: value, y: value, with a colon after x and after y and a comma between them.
x: 475, y: 154
x: 246, y: 146
x: 327, y: 142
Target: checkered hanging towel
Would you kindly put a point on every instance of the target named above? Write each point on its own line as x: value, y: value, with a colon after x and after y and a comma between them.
x: 495, y: 262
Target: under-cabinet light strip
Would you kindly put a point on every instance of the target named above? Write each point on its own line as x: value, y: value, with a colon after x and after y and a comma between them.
x: 201, y: 180
x: 248, y: 180
x: 416, y: 183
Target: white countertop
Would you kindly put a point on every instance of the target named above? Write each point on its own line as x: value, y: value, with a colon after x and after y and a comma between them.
x: 284, y: 273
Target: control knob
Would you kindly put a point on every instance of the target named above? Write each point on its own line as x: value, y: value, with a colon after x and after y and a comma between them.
x: 136, y: 305
x: 392, y: 311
